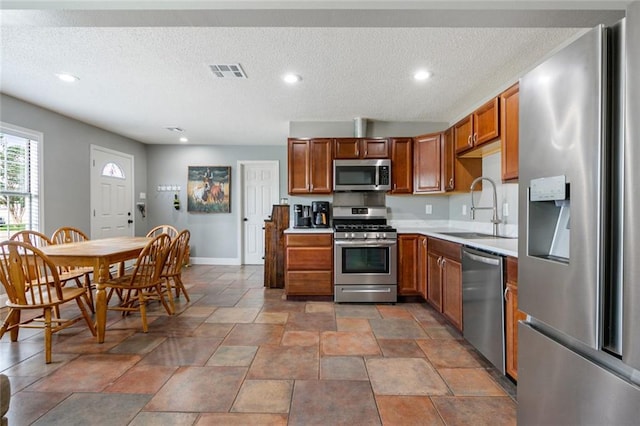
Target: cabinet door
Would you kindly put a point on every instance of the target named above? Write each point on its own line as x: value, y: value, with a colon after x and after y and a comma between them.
x: 486, y: 123
x: 427, y: 163
x: 513, y: 315
x: 408, y: 264
x: 347, y: 148
x: 452, y: 291
x: 321, y: 166
x: 463, y: 134
x: 298, y: 166
x: 423, y: 279
x: 448, y: 160
x: 434, y: 279
x: 374, y: 148
x: 509, y: 127
x: 402, y: 165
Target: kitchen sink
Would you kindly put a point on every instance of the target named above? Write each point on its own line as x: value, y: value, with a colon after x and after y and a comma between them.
x: 473, y: 235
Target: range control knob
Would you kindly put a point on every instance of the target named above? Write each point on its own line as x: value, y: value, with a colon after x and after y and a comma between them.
x: 353, y: 235
x: 384, y: 235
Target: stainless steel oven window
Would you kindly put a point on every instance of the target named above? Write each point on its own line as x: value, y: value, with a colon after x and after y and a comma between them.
x: 365, y: 260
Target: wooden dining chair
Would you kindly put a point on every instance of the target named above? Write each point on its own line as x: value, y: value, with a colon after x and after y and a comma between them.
x: 145, y: 282
x: 69, y: 234
x: 32, y: 282
x: 38, y: 240
x: 172, y: 271
x: 171, y: 231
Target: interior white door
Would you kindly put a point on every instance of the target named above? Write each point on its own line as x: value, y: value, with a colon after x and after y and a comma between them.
x: 261, y: 192
x: 111, y: 193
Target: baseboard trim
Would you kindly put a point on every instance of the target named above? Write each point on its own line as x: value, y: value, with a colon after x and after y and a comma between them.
x: 214, y: 261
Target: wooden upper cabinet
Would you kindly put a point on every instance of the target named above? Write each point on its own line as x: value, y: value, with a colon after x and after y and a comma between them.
x: 401, y: 165
x: 463, y: 134
x: 310, y: 166
x: 486, y: 123
x: 479, y: 127
x: 448, y: 160
x: 509, y: 128
x: 427, y: 166
x: 352, y: 148
x: 321, y: 161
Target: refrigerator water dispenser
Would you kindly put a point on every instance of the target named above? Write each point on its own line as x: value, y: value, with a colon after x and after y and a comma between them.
x: 549, y: 219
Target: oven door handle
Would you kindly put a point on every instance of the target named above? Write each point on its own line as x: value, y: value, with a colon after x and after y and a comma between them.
x: 354, y: 290
x: 365, y: 244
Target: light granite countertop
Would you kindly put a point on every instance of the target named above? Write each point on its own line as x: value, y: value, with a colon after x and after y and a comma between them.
x: 504, y: 246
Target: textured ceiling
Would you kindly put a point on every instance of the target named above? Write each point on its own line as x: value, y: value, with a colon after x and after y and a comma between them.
x: 137, y: 79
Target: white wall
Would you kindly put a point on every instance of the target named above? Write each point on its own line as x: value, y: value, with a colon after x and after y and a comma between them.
x: 507, y: 193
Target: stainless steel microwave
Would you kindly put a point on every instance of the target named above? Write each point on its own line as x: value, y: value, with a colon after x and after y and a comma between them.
x: 362, y: 175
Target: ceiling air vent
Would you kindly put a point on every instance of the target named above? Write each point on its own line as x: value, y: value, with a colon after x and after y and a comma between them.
x: 228, y: 71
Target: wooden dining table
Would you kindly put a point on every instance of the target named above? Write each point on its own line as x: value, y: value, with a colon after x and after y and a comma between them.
x: 100, y: 254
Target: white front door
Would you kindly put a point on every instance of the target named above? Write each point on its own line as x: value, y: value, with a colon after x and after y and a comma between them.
x: 112, y: 211
x: 260, y: 187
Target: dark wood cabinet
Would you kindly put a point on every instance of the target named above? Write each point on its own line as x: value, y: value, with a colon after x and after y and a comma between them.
x: 444, y: 271
x: 513, y: 315
x: 457, y: 172
x: 479, y: 127
x: 274, y: 246
x: 427, y: 167
x: 310, y: 166
x: 509, y: 128
x: 408, y: 265
x: 352, y: 148
x: 401, y: 165
x: 423, y: 279
x: 309, y: 265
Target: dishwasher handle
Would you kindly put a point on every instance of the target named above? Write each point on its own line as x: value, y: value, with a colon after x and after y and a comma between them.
x: 482, y: 259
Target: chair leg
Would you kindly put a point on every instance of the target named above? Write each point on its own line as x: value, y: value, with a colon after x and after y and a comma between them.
x: 11, y: 322
x: 180, y: 285
x: 15, y: 330
x: 143, y: 311
x: 171, y: 309
x: 87, y: 285
x: 86, y: 316
x: 47, y: 335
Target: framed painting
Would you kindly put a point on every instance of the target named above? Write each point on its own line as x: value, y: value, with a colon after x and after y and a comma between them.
x: 209, y: 189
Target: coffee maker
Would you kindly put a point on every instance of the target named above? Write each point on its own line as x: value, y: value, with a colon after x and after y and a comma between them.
x: 320, y: 214
x: 301, y: 216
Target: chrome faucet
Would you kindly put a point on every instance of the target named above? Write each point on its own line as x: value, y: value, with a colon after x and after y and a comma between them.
x: 495, y: 220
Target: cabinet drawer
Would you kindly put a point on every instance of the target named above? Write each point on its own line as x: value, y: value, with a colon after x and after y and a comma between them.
x: 309, y: 258
x: 512, y: 270
x: 309, y: 283
x: 445, y: 248
x: 309, y: 240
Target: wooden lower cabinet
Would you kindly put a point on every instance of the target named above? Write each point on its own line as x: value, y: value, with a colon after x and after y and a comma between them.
x: 408, y: 265
x: 309, y: 265
x: 444, y: 285
x: 513, y: 315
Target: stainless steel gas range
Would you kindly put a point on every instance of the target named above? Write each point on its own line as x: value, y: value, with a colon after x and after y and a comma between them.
x: 365, y: 255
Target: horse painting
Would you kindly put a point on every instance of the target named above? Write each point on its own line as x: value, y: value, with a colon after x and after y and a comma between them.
x: 209, y: 189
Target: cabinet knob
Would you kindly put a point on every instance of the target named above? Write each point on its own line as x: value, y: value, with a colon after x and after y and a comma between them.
x: 469, y: 140
x: 506, y: 290
x: 451, y: 182
x: 475, y: 138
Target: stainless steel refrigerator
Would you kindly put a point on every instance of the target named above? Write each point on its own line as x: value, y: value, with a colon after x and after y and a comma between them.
x: 579, y: 227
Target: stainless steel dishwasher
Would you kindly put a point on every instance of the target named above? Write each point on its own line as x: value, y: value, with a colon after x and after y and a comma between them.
x: 482, y: 304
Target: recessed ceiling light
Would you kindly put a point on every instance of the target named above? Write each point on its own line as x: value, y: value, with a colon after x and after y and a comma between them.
x: 66, y: 77
x: 291, y: 78
x: 183, y: 139
x: 422, y: 75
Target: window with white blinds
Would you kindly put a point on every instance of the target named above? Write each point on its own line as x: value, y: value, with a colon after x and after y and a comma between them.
x: 19, y: 181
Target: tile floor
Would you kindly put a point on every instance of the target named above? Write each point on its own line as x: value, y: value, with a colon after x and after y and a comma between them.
x: 240, y: 354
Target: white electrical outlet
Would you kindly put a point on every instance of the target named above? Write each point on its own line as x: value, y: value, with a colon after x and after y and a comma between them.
x: 505, y: 209
x: 428, y: 209
x: 464, y: 210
